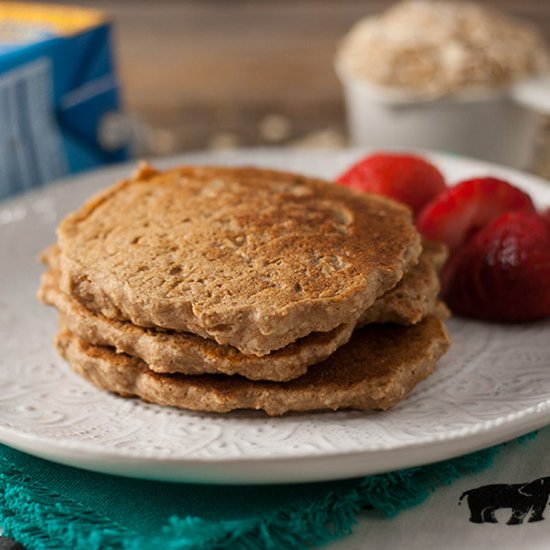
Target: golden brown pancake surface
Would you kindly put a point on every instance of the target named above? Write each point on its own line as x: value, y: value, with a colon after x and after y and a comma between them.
x: 249, y: 257
x: 377, y: 368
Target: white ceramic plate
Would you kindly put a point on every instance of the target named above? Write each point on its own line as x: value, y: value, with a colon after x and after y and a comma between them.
x: 493, y: 385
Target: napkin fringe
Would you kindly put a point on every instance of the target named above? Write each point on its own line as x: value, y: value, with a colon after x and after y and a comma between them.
x: 392, y: 492
x: 326, y: 519
x: 321, y: 521
x: 43, y: 520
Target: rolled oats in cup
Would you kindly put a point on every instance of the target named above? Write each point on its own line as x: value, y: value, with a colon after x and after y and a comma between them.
x: 438, y: 74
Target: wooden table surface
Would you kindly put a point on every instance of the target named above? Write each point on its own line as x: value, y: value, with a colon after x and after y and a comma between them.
x: 228, y: 73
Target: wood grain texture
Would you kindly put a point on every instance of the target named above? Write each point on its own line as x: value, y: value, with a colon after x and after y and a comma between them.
x: 211, y: 72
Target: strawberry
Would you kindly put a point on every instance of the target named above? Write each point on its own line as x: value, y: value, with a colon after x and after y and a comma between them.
x: 546, y: 215
x: 405, y: 178
x: 460, y: 211
x: 503, y: 272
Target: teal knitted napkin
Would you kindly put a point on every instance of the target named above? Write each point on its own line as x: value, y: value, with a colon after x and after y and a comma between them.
x: 45, y: 505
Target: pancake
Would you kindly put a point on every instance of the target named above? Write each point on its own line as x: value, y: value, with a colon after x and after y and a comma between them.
x: 415, y: 296
x: 170, y: 352
x: 248, y: 257
x: 376, y: 369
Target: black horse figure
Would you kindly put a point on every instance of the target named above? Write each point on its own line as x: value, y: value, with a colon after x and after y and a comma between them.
x: 522, y: 498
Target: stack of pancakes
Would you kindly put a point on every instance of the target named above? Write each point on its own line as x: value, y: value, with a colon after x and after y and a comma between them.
x: 215, y: 289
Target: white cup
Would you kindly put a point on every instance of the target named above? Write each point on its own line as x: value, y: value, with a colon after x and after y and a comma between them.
x: 499, y: 126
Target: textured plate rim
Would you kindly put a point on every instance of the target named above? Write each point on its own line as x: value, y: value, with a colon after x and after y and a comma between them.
x: 290, y: 469
x: 436, y: 447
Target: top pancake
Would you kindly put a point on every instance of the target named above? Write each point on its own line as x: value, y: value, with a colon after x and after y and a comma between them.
x: 250, y: 257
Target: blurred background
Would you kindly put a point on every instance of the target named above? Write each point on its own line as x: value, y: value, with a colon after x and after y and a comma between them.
x: 226, y: 73
x: 219, y: 74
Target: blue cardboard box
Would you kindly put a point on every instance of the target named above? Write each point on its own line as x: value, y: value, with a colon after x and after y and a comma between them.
x: 58, y: 94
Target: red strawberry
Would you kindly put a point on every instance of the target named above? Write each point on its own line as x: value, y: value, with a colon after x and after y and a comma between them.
x: 503, y: 272
x: 460, y: 211
x: 546, y: 215
x: 406, y: 178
